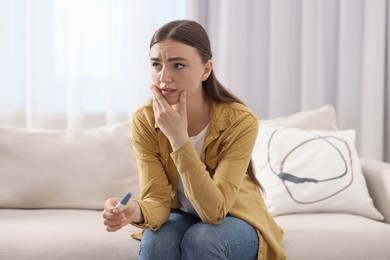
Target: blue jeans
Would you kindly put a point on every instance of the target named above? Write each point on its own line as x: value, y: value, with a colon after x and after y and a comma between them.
x: 185, y: 236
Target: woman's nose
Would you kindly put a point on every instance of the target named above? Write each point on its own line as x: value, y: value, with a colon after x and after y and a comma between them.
x: 165, y: 76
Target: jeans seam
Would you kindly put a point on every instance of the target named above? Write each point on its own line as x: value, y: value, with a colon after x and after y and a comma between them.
x: 241, y: 245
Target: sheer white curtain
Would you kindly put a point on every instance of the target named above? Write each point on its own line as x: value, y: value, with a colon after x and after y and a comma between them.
x: 81, y: 63
x: 77, y: 63
x: 283, y: 56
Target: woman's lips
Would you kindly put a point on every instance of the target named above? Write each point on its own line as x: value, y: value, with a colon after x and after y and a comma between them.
x: 167, y: 91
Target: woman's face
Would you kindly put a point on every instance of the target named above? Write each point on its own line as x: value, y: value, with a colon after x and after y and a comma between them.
x: 177, y: 67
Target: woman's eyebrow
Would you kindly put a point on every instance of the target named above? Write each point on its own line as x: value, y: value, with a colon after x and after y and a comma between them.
x: 169, y: 59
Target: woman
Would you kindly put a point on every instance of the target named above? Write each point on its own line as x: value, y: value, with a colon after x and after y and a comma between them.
x: 193, y: 142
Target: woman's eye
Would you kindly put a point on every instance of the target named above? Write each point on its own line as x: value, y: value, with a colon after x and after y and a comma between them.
x: 155, y: 65
x: 179, y: 65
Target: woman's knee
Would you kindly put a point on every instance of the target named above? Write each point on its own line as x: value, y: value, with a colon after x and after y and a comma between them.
x: 157, y: 244
x: 232, y: 239
x: 166, y: 241
x: 200, y: 240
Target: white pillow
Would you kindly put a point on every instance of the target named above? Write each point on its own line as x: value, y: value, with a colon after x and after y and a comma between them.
x: 61, y: 169
x: 323, y: 118
x: 305, y: 171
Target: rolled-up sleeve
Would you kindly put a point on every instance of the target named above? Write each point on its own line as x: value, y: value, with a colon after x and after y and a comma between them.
x: 155, y: 190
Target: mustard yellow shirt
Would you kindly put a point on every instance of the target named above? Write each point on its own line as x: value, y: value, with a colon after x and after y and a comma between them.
x: 216, y: 184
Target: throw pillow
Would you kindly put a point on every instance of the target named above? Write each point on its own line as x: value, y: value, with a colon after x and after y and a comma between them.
x: 323, y: 118
x: 306, y: 171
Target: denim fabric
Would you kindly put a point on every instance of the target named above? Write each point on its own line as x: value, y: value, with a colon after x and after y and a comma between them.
x: 185, y: 236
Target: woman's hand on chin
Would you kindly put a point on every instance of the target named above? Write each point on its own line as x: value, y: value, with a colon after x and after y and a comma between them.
x: 172, y: 120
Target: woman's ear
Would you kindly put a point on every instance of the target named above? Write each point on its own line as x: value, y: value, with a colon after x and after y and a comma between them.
x: 207, y: 70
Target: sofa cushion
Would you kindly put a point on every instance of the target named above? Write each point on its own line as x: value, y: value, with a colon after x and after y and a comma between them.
x: 62, y: 169
x: 323, y: 118
x: 62, y: 234
x: 311, y: 171
x: 377, y: 175
x: 334, y: 236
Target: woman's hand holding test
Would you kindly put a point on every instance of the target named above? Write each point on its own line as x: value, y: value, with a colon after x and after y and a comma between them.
x: 115, y: 219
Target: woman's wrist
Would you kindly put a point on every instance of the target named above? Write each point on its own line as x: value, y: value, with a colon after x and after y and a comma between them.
x: 137, y: 215
x: 179, y: 142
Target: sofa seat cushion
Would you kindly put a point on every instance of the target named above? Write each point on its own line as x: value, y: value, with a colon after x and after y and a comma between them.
x: 334, y: 236
x: 62, y: 234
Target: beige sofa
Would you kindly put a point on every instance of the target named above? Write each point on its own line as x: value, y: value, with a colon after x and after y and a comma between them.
x: 53, y: 185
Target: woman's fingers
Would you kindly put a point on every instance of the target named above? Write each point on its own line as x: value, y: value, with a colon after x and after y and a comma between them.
x: 172, y: 120
x: 113, y: 219
x: 113, y: 216
x: 183, y: 104
x: 114, y: 222
x: 111, y: 223
x: 158, y: 98
x: 114, y: 228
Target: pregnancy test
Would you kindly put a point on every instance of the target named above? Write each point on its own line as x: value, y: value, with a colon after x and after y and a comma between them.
x: 122, y: 203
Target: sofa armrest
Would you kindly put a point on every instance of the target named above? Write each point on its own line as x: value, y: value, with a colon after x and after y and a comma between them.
x: 377, y: 176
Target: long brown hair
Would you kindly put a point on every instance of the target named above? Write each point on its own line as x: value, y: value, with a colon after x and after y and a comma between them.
x: 193, y: 34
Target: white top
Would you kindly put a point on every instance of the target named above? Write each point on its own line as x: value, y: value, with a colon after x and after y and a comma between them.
x: 197, y: 141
